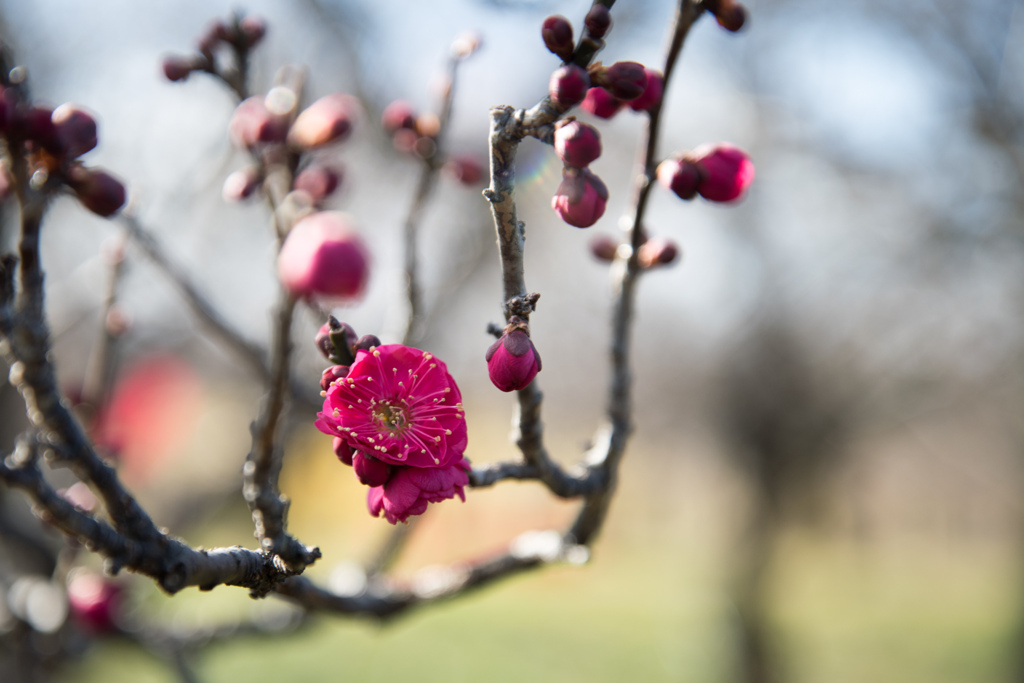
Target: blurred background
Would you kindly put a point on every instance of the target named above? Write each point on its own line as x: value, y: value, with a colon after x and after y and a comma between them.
x: 826, y: 475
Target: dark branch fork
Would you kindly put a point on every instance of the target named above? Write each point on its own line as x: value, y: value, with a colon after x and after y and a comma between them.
x: 131, y: 540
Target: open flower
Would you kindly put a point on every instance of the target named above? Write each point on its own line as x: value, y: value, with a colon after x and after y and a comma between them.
x: 400, y: 405
x: 411, y: 489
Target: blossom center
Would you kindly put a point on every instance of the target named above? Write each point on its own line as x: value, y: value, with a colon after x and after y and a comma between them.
x: 390, y: 417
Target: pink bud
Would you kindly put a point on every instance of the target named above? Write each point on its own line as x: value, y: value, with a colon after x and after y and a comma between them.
x: 343, y: 450
x: 76, y: 129
x: 98, y: 191
x: 336, y: 340
x: 367, y: 342
x: 730, y: 14
x: 94, y: 602
x: 577, y: 144
x: 725, y: 170
x: 580, y: 198
x: 568, y: 85
x: 679, y: 175
x: 557, y: 34
x: 625, y: 80
x: 601, y: 103
x: 513, y: 361
x: 177, y: 68
x: 241, y: 184
x: 598, y: 21
x: 651, y: 95
x: 604, y: 248
x: 252, y: 29
x: 215, y: 32
x: 657, y: 251
x: 397, y: 116
x: 37, y: 126
x: 318, y: 182
x: 329, y: 375
x: 322, y: 255
x: 327, y: 120
x: 252, y: 123
x: 465, y: 169
x: 369, y: 470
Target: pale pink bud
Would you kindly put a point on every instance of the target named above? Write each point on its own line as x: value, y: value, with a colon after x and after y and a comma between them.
x: 405, y: 139
x: 580, y: 198
x: 327, y: 120
x: 513, y: 361
x: 657, y: 251
x: 625, y: 80
x: 679, y: 175
x: 319, y: 182
x: 241, y: 184
x: 604, y: 248
x: 601, y: 103
x: 322, y: 255
x: 465, y: 169
x: 397, y: 116
x: 252, y: 123
x: 177, y: 68
x: 76, y: 129
x: 98, y: 191
x: 343, y: 450
x: 598, y: 21
x: 557, y: 34
x: 651, y: 95
x: 369, y: 470
x: 725, y: 172
x: 577, y: 144
x: 568, y: 85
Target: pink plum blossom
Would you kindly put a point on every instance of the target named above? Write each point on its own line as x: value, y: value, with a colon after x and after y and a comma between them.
x: 411, y: 489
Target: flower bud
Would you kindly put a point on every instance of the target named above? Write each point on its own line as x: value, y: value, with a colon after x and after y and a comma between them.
x: 177, y: 68
x: 580, y: 198
x: 336, y: 341
x: 94, y: 602
x: 598, y: 21
x: 679, y: 175
x: 343, y: 450
x: 323, y: 256
x: 624, y: 80
x: 557, y: 33
x: 725, y: 172
x: 398, y: 115
x: 318, y: 182
x: 657, y: 251
x: 577, y: 144
x: 252, y: 123
x: 729, y: 14
x: 327, y: 120
x: 76, y: 129
x: 241, y: 184
x: 568, y: 85
x: 252, y: 29
x: 651, y: 95
x: 604, y: 248
x: 513, y: 361
x: 369, y: 470
x: 98, y: 191
x: 36, y: 124
x: 465, y: 169
x: 329, y: 375
x: 601, y: 103
x: 367, y: 342
x: 215, y: 32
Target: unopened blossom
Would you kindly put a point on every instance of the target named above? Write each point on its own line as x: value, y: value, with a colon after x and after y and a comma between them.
x: 580, y: 199
x: 568, y: 85
x: 577, y: 144
x: 557, y: 34
x: 651, y: 95
x: 410, y: 489
x: 513, y: 361
x: 400, y: 405
x: 725, y: 171
x: 601, y: 103
x: 322, y: 255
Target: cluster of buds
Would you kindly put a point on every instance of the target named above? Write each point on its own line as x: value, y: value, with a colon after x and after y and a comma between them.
x: 622, y: 85
x: 48, y: 142
x: 653, y: 252
x: 323, y: 256
x: 417, y: 135
x: 719, y: 173
x: 557, y: 32
x: 512, y: 360
x: 273, y: 130
x: 396, y: 417
x: 237, y: 35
